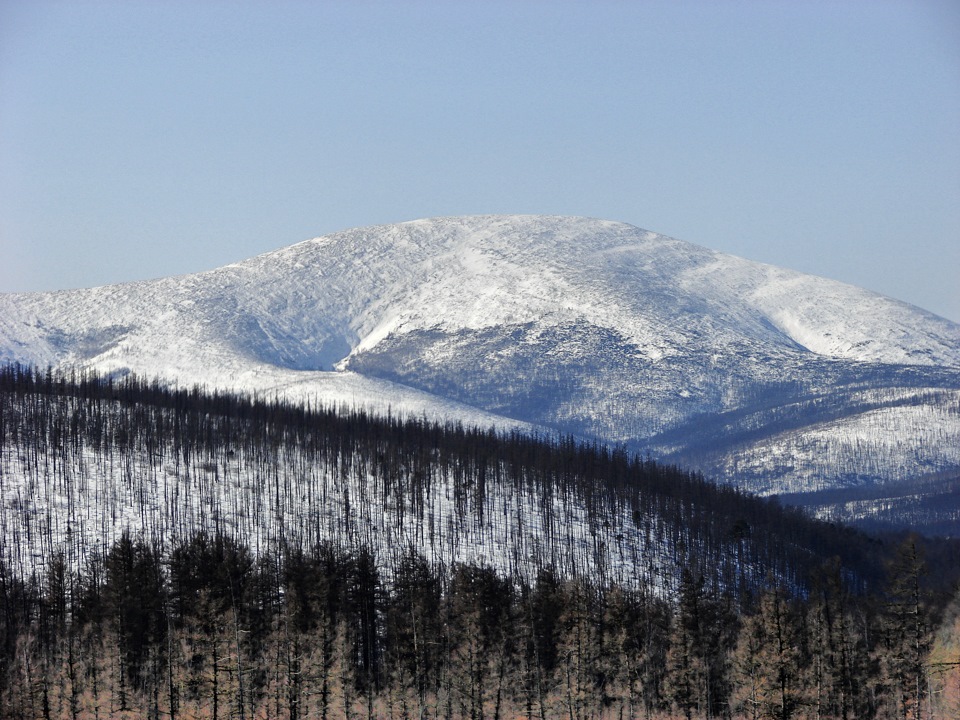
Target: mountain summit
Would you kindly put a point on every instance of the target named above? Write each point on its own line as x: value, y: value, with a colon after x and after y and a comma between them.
x: 758, y: 375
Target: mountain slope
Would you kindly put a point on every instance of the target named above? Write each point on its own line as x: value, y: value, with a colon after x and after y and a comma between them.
x: 774, y: 379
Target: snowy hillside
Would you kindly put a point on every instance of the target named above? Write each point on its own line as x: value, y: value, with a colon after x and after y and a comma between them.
x: 759, y: 375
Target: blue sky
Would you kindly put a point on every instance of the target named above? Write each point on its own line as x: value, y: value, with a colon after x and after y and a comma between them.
x: 143, y: 139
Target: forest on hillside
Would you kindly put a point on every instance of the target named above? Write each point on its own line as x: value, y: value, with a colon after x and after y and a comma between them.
x: 176, y: 553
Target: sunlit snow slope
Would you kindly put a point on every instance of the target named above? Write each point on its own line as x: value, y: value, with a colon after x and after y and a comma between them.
x: 758, y: 375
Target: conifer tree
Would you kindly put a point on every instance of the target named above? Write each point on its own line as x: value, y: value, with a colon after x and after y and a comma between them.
x: 944, y: 664
x: 697, y: 674
x: 905, y: 634
x: 770, y: 661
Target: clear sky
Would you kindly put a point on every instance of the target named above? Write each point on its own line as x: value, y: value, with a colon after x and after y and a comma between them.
x: 143, y: 139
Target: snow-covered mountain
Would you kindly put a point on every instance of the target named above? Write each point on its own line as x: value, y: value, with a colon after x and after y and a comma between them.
x: 758, y: 375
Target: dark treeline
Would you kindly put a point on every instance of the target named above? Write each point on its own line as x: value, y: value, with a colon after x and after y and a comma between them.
x: 209, y: 630
x: 179, y: 553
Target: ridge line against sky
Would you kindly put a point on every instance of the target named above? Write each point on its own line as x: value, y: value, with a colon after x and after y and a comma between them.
x: 142, y: 139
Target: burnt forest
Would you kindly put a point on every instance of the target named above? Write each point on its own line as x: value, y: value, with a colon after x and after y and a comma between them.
x: 183, y: 553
